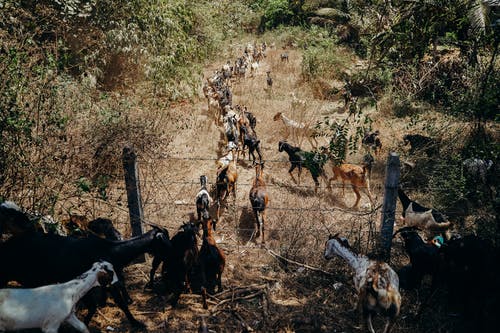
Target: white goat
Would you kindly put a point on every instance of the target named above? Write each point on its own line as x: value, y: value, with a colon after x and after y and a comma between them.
x: 49, y: 306
x: 295, y: 128
x: 375, y: 281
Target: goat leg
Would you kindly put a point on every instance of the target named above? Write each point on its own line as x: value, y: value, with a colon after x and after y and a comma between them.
x: 204, y: 297
x: 77, y: 324
x: 122, y: 304
x: 368, y: 318
x: 154, y: 267
x: 91, y: 306
x: 358, y: 196
x: 389, y: 325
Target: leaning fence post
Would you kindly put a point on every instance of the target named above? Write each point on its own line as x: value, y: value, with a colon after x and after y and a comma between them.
x: 389, y: 206
x: 132, y: 187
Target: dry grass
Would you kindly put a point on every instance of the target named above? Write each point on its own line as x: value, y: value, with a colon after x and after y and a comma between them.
x: 295, y: 299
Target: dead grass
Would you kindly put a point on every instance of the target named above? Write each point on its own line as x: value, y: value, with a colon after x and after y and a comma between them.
x: 299, y: 221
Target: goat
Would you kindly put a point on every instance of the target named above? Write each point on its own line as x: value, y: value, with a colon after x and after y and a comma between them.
x: 296, y: 128
x: 419, y: 142
x: 269, y: 81
x: 357, y: 176
x: 252, y: 143
x: 213, y: 107
x: 375, y: 281
x: 212, y: 261
x: 424, y: 257
x: 251, y: 118
x: 49, y: 306
x: 477, y: 168
x: 284, y: 57
x: 246, y: 118
x: 254, y: 66
x: 223, y: 162
x: 427, y: 219
x: 298, y: 158
x: 16, y: 221
x: 259, y: 199
x: 226, y: 183
x: 56, y: 258
x: 80, y: 226
x: 471, y: 274
x: 203, y: 199
x: 13, y: 220
x: 242, y: 121
x: 372, y: 141
x: 231, y: 127
x: 179, y: 262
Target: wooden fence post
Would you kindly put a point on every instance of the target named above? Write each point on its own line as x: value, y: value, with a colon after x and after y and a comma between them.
x: 389, y: 207
x: 132, y: 187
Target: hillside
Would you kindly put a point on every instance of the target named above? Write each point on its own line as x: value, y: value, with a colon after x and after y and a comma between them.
x: 78, y: 85
x: 280, y: 296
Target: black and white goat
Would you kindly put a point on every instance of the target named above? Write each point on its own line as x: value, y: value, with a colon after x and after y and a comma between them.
x: 430, y: 220
x: 375, y: 281
x: 13, y: 220
x: 47, y: 307
x: 203, y: 200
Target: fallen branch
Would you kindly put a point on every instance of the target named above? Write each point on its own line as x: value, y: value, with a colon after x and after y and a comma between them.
x: 277, y: 256
x: 238, y: 291
x: 258, y: 293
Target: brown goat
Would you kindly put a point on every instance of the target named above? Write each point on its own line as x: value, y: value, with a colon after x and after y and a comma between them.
x: 212, y: 261
x: 357, y: 176
x: 259, y: 200
x: 226, y: 183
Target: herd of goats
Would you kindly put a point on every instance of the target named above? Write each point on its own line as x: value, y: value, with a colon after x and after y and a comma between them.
x: 55, y: 270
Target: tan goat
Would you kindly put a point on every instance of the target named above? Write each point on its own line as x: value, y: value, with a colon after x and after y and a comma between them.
x: 357, y: 176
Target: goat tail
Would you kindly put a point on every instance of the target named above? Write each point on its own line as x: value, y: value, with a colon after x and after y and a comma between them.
x: 387, y: 297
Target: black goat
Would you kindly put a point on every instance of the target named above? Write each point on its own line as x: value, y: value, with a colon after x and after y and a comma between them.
x: 471, y: 271
x: 212, y: 261
x: 39, y: 259
x: 80, y: 226
x: 104, y: 228
x: 372, y: 141
x: 252, y: 143
x: 420, y: 142
x: 181, y: 259
x: 424, y: 258
x: 298, y: 158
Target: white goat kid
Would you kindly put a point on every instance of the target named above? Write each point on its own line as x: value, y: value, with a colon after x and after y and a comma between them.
x: 375, y: 281
x: 49, y: 306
